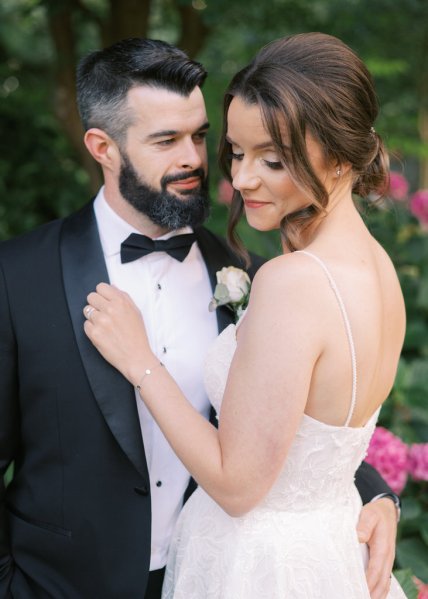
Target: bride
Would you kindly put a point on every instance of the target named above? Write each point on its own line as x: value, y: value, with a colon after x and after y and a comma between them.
x: 299, y: 381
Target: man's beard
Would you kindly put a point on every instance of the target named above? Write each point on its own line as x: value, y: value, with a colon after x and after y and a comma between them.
x: 165, y: 209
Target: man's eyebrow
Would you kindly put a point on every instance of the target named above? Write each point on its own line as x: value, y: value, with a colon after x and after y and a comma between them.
x: 172, y: 132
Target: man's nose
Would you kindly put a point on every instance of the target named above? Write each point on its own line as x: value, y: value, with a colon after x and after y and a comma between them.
x: 191, y: 156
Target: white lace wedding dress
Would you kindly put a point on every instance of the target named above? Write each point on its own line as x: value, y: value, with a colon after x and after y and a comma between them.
x: 301, y: 541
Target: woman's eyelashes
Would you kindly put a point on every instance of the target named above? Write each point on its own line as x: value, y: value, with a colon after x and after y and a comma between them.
x: 275, y: 165
x: 235, y: 156
x: 272, y: 164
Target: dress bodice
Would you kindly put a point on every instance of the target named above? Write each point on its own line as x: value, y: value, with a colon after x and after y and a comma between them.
x: 300, y: 541
x: 319, y: 470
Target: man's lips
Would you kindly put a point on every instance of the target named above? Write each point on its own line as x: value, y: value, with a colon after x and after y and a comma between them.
x: 255, y: 203
x: 190, y: 183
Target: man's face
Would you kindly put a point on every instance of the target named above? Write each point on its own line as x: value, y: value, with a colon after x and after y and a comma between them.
x: 164, y: 160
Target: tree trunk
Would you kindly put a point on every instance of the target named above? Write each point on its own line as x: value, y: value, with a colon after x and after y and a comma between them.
x: 128, y: 18
x: 60, y: 26
x: 194, y: 32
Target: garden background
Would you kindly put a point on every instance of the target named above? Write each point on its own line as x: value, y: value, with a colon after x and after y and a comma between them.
x: 45, y: 172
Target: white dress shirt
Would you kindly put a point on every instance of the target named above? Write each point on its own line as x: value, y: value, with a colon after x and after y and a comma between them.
x: 173, y: 297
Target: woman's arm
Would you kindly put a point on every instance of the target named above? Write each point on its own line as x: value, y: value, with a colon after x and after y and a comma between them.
x: 265, y: 395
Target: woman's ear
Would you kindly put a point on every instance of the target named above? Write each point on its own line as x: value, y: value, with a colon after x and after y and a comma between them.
x: 341, y: 169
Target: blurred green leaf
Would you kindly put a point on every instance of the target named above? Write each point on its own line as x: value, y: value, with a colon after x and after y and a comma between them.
x: 424, y: 529
x: 423, y: 293
x: 411, y: 509
x: 9, y: 475
x: 404, y: 577
x: 412, y: 553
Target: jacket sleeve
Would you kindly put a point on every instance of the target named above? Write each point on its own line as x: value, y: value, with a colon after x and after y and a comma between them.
x: 370, y: 483
x: 8, y: 427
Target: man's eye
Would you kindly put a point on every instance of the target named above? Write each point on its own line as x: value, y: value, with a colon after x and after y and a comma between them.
x: 166, y: 142
x: 201, y: 136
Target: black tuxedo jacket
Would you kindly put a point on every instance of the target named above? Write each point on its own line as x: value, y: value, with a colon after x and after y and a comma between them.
x: 75, y: 521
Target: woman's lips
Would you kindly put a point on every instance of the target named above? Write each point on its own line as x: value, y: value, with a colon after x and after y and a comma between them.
x: 255, y: 204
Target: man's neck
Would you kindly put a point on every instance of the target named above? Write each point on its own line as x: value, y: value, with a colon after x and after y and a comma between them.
x: 133, y: 217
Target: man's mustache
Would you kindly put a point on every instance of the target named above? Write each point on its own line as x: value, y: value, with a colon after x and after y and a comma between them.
x: 198, y: 172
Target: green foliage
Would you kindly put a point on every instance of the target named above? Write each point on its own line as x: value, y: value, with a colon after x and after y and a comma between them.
x: 404, y: 577
x: 411, y: 553
x: 405, y: 412
x: 40, y: 178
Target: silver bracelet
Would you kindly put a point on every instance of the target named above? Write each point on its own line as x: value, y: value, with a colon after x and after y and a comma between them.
x: 146, y: 373
x: 395, y: 500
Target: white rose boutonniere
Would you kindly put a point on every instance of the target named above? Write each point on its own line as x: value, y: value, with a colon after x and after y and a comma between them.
x: 232, y: 290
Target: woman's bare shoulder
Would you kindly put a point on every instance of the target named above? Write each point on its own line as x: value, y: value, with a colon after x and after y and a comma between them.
x: 288, y: 269
x: 289, y: 280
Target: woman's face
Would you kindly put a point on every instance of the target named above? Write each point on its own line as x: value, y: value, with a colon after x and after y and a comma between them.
x: 264, y: 182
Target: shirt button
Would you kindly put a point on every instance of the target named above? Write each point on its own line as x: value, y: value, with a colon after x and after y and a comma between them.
x: 159, y: 483
x: 159, y: 286
x: 164, y: 350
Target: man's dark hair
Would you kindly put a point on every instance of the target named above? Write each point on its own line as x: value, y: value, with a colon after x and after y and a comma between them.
x: 104, y: 78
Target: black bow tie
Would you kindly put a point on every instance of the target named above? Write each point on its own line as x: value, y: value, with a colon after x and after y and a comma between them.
x: 137, y: 245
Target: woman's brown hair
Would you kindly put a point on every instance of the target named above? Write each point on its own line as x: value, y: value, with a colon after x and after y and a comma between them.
x: 310, y: 83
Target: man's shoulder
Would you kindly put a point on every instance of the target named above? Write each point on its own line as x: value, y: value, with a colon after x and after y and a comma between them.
x: 36, y: 240
x: 211, y: 242
x: 204, y: 234
x: 30, y: 239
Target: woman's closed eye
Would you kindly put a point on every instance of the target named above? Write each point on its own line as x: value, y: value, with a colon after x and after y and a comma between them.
x: 235, y: 156
x: 273, y: 164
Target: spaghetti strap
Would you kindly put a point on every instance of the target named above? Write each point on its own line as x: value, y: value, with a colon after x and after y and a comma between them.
x: 348, y: 331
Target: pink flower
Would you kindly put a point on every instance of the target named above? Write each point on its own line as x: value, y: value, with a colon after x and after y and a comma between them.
x: 422, y: 588
x: 423, y: 591
x: 398, y: 186
x: 419, y: 206
x: 418, y: 461
x: 225, y: 192
x: 388, y: 454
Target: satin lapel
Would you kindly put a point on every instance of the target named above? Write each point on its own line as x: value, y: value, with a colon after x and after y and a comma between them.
x: 216, y: 255
x: 83, y: 268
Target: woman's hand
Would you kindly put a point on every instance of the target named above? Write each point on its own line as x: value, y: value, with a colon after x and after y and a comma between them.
x: 116, y: 328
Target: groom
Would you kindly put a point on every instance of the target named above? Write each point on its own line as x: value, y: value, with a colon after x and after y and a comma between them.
x: 96, y: 489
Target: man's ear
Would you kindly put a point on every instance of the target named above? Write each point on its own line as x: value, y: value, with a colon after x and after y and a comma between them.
x: 101, y: 147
